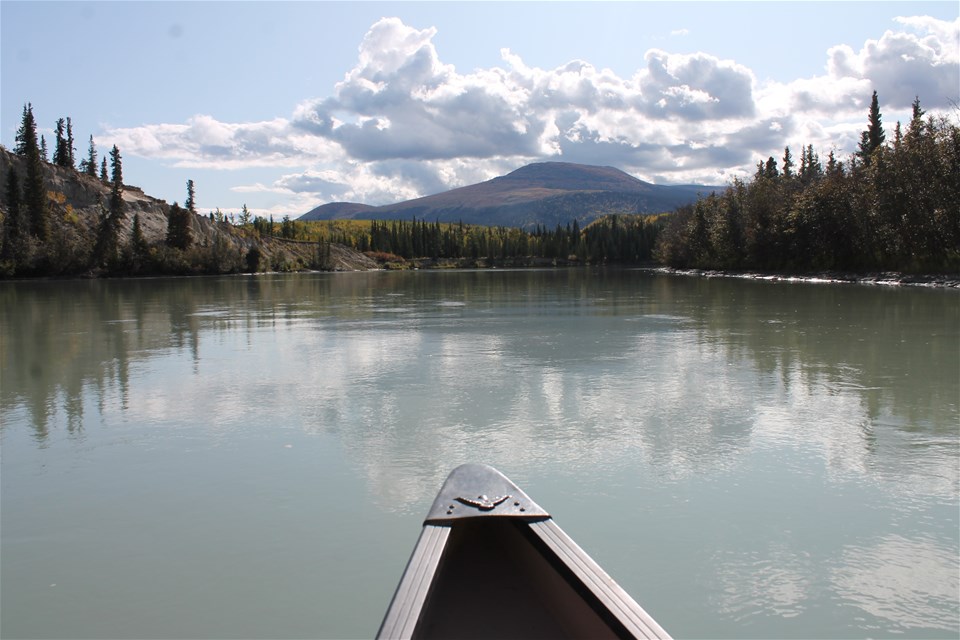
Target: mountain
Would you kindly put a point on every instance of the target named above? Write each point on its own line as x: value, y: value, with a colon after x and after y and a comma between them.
x: 546, y: 193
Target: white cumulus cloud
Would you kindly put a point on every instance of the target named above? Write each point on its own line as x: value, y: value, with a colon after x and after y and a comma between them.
x: 403, y: 123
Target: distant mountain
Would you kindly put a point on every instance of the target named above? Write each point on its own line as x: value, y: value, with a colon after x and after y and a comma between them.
x: 338, y: 210
x: 547, y: 193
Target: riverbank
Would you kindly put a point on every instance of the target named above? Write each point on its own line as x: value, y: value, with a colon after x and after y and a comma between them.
x: 887, y: 278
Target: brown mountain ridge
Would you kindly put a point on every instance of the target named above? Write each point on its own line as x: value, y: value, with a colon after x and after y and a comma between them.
x: 544, y: 193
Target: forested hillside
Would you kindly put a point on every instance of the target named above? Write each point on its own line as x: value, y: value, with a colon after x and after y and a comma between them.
x: 894, y: 205
x: 60, y: 217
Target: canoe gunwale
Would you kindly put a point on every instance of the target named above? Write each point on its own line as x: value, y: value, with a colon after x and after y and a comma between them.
x: 474, y: 494
x: 636, y: 622
x: 404, y: 610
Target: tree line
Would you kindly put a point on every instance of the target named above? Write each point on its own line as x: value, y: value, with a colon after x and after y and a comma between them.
x: 892, y: 205
x: 41, y: 234
x: 612, y: 239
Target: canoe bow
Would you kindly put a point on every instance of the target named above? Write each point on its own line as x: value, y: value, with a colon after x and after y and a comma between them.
x: 491, y: 563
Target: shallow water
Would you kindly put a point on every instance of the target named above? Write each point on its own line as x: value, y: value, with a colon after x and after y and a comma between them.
x: 252, y: 456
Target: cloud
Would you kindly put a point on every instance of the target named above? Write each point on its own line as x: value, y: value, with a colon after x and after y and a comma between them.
x: 695, y: 87
x: 403, y: 123
x: 402, y: 102
x: 900, y: 66
x: 204, y: 142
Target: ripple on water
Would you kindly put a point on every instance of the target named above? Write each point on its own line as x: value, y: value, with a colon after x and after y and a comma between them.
x: 910, y: 583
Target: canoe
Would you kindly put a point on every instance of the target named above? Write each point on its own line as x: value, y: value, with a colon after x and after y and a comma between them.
x: 492, y: 563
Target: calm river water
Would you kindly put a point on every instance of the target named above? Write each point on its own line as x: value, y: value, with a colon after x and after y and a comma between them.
x: 251, y: 457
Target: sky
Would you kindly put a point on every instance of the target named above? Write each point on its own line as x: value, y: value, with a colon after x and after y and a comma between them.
x: 284, y: 106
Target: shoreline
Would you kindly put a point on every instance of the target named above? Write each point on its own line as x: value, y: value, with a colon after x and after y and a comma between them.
x: 884, y: 278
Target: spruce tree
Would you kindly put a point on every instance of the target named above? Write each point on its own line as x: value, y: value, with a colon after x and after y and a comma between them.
x: 190, y: 203
x: 178, y: 227
x: 61, y: 153
x: 112, y: 219
x: 34, y: 191
x: 90, y: 164
x: 71, y: 150
x: 770, y: 169
x: 138, y: 243
x: 27, y: 133
x: 44, y: 156
x: 103, y: 172
x: 116, y: 169
x: 915, y: 129
x: 874, y: 137
x: 117, y: 211
x: 787, y: 163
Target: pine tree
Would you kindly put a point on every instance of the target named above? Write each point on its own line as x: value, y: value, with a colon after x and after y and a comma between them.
x: 103, y: 172
x: 44, y: 156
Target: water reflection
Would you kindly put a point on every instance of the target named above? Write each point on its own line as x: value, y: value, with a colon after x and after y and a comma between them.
x: 905, y: 583
x: 683, y: 372
x: 780, y: 583
x: 781, y: 444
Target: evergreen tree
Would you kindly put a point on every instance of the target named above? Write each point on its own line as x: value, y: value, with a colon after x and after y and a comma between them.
x: 43, y: 149
x: 89, y: 166
x: 834, y: 166
x: 61, y: 154
x: 770, y: 169
x: 26, y: 132
x: 34, y: 191
x: 116, y: 170
x: 190, y: 203
x: 138, y: 244
x: 811, y: 169
x: 874, y: 137
x: 71, y: 149
x: 787, y: 163
x: 112, y: 220
x: 915, y: 129
x: 178, y: 228
x: 103, y: 172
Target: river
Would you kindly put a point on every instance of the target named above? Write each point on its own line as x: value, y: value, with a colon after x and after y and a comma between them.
x: 252, y: 456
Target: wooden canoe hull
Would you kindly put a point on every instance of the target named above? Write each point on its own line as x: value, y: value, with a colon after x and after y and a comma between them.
x: 481, y: 570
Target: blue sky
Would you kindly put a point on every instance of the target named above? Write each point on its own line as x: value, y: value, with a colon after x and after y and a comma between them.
x: 288, y: 105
